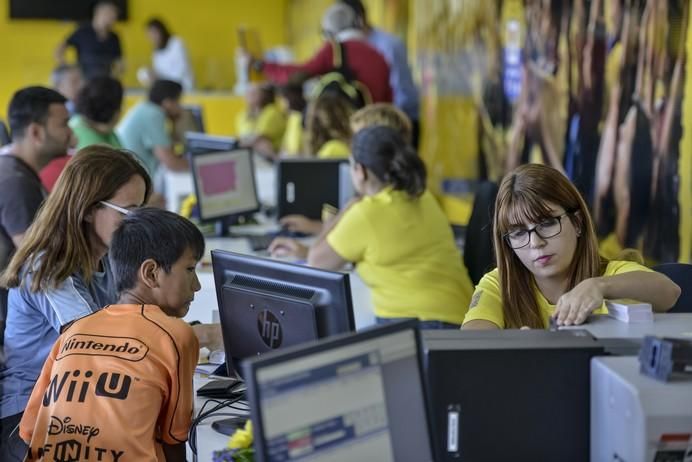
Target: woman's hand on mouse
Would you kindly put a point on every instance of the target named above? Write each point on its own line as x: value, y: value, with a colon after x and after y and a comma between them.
x: 287, y: 247
x: 576, y: 305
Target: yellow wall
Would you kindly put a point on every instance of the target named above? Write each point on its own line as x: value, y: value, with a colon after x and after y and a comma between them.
x: 207, y: 26
x: 685, y: 164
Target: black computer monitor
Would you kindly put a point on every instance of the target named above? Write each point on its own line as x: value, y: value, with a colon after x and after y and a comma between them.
x: 305, y: 185
x: 510, y: 394
x: 190, y: 120
x: 224, y: 179
x: 266, y: 304
x: 358, y: 397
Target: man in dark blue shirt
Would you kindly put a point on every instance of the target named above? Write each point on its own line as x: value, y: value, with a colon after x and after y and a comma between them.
x: 98, y: 47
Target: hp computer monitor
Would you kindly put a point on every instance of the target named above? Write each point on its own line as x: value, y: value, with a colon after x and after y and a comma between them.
x: 355, y: 398
x: 266, y: 304
x: 510, y: 394
x: 305, y: 185
x: 223, y: 176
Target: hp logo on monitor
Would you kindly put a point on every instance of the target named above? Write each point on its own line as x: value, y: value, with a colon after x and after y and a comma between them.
x: 269, y: 329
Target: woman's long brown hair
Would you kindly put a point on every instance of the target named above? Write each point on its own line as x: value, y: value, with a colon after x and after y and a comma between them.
x: 523, y: 197
x: 327, y: 119
x: 56, y: 245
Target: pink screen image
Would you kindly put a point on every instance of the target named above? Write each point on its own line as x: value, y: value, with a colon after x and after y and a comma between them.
x: 218, y: 178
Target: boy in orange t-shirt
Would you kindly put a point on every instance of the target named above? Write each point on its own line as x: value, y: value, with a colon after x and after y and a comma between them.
x: 117, y: 385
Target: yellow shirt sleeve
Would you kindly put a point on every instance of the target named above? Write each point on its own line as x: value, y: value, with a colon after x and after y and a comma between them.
x: 349, y: 236
x: 334, y: 149
x: 486, y: 302
x: 292, y: 143
x: 620, y: 267
x: 271, y: 123
x: 244, y: 126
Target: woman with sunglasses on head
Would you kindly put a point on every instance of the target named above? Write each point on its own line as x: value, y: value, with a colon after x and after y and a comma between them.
x: 60, y: 273
x: 548, y: 263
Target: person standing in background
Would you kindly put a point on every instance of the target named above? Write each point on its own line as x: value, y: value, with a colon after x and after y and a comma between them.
x: 365, y: 63
x: 67, y: 80
x: 406, y: 96
x: 98, y: 47
x: 170, y: 60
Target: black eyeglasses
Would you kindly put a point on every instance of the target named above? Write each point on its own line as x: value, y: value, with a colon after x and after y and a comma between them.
x: 550, y: 227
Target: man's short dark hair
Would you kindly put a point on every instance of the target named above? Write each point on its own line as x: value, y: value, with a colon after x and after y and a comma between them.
x: 100, y: 99
x: 151, y: 233
x: 164, y: 89
x: 30, y: 105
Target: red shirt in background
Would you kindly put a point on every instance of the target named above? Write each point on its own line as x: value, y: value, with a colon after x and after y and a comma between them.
x: 50, y: 173
x: 367, y: 64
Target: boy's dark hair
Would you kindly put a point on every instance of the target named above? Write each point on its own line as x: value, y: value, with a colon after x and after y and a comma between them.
x: 151, y: 233
x: 164, y: 89
x: 100, y: 99
x: 30, y: 105
x: 384, y: 152
x: 156, y: 23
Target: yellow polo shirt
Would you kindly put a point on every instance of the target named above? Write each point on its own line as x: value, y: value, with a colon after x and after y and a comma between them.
x: 334, y: 149
x: 404, y: 251
x: 271, y: 123
x: 487, y: 298
x: 292, y: 143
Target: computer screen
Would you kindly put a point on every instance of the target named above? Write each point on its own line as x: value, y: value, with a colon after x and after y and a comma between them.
x: 356, y: 398
x: 190, y: 120
x: 223, y: 176
x: 305, y: 185
x: 266, y: 304
x: 510, y: 394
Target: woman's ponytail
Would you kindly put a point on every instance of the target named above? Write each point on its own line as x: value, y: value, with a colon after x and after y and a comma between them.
x: 383, y: 151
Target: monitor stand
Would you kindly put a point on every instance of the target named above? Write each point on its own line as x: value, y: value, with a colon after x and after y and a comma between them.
x: 222, y: 225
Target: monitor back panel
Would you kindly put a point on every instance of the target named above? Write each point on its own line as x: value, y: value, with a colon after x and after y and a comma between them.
x: 304, y: 186
x: 509, y: 404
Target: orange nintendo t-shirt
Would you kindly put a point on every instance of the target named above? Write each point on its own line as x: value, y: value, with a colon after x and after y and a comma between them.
x: 116, y: 384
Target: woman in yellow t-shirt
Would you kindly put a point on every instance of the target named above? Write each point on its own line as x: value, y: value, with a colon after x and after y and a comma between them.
x: 328, y: 130
x: 261, y: 126
x: 396, y: 234
x: 548, y: 261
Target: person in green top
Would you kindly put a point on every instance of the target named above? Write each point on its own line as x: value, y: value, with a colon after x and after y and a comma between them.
x: 98, y: 110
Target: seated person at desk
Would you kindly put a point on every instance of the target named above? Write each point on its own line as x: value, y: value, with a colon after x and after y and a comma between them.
x: 548, y: 261
x: 292, y: 100
x: 328, y: 130
x: 138, y: 347
x: 67, y: 80
x: 59, y: 272
x: 396, y: 234
x: 143, y: 131
x: 98, y: 111
x: 374, y: 114
x: 261, y: 126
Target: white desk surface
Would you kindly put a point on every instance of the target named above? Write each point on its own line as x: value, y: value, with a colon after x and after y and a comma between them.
x: 663, y: 325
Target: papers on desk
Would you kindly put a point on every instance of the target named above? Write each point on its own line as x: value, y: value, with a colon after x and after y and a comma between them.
x: 630, y: 311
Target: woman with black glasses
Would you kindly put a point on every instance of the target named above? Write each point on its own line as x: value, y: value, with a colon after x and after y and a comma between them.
x: 548, y: 263
x: 60, y: 273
